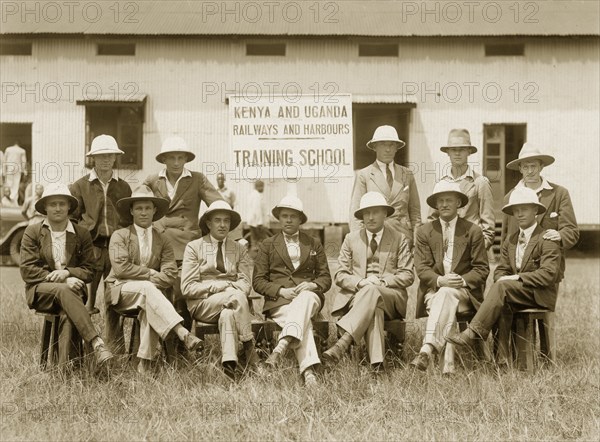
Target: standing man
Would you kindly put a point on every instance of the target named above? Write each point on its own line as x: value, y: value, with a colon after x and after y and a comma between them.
x: 558, y: 220
x: 292, y: 274
x: 143, y: 267
x: 215, y: 281
x: 452, y: 266
x: 98, y: 193
x: 526, y: 277
x: 396, y: 183
x: 258, y: 218
x: 375, y: 269
x: 184, y: 190
x: 15, y: 166
x: 57, y: 260
x: 480, y: 207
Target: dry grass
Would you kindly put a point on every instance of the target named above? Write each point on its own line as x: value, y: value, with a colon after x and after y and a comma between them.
x: 194, y: 401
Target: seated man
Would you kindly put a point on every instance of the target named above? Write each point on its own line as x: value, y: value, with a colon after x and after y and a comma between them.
x: 452, y: 265
x: 292, y: 274
x: 375, y: 268
x: 143, y: 266
x: 526, y: 277
x: 215, y: 281
x: 57, y: 260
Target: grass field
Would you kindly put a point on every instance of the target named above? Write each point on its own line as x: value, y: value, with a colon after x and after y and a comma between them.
x: 195, y: 401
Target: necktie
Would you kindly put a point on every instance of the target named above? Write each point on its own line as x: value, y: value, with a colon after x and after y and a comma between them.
x: 144, y: 248
x: 220, y: 262
x: 522, y: 243
x: 446, y: 236
x: 389, y: 177
x: 373, y: 244
x: 291, y: 238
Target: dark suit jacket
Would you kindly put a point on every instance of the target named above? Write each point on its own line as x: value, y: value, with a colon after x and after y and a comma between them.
x: 539, y: 267
x: 559, y: 215
x: 469, y: 260
x: 180, y: 224
x: 37, y: 260
x: 403, y: 197
x: 273, y: 269
x: 395, y: 266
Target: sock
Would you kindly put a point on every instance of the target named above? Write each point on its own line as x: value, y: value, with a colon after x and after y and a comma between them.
x: 282, y: 345
x: 309, y: 373
x: 97, y: 341
x: 427, y: 348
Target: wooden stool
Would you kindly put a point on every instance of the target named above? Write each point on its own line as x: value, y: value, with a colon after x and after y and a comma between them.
x: 523, y: 336
x: 57, y: 347
x: 134, y: 337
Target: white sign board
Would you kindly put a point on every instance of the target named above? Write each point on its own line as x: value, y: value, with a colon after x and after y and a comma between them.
x: 291, y: 138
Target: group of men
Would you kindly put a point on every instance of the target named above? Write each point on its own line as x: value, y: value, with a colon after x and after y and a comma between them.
x: 158, y: 260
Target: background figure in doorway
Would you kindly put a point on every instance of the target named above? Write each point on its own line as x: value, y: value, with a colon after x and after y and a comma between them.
x: 258, y: 219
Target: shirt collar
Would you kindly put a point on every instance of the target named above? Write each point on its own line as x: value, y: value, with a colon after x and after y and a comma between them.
x: 545, y: 185
x: 215, y: 241
x: 69, y: 228
x: 384, y: 166
x: 469, y: 173
x: 378, y: 235
x: 295, y: 237
x: 94, y: 176
x: 140, y: 230
x: 185, y: 173
x: 528, y: 231
x: 452, y: 222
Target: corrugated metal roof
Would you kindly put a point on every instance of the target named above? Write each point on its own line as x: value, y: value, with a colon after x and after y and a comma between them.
x: 303, y: 18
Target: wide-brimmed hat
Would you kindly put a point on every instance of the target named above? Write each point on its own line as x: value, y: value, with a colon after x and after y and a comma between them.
x: 104, y: 144
x: 520, y: 196
x: 56, y: 189
x: 447, y: 187
x: 372, y: 199
x: 223, y: 206
x: 141, y: 193
x: 459, y: 138
x: 385, y: 133
x: 290, y: 202
x: 530, y: 152
x: 175, y: 145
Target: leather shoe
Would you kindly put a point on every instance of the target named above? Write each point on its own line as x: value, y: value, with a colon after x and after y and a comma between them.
x: 273, y: 360
x: 334, y: 354
x: 462, y: 339
x: 420, y: 362
x: 191, y: 342
x: 102, y: 354
x: 229, y: 369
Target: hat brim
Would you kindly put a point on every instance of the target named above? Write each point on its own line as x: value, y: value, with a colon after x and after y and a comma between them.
x: 400, y: 143
x: 508, y: 209
x: 236, y: 219
x: 40, y: 205
x: 431, y: 200
x: 161, y: 156
x: 358, y: 214
x: 124, y: 207
x: 472, y: 149
x: 277, y: 209
x: 545, y: 159
x: 104, y: 152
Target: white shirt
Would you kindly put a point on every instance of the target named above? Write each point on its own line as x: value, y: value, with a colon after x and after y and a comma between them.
x: 469, y: 173
x: 293, y: 248
x: 520, y: 252
x: 544, y: 186
x: 59, y: 244
x: 170, y: 188
x: 448, y: 236
x: 140, y: 233
x: 383, y: 167
x: 378, y: 237
x: 215, y: 244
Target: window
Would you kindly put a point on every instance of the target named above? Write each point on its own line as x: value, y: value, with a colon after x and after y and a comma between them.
x: 15, y: 48
x: 378, y: 50
x: 273, y: 49
x: 116, y: 49
x: 504, y: 49
x: 122, y: 120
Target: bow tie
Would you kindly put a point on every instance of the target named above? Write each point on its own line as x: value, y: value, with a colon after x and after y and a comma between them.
x: 291, y: 238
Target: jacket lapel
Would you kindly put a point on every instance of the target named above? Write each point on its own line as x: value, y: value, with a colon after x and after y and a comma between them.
x: 379, y: 180
x: 281, y: 249
x: 304, y: 249
x: 531, y: 245
x: 398, y: 182
x: 71, y: 244
x: 512, y: 252
x: 460, y: 242
x: 155, y: 257
x: 546, y: 199
x: 437, y: 242
x: 161, y: 188
x: 182, y: 187
x: 134, y: 245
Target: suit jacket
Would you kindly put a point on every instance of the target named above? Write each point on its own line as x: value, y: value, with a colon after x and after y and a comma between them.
x: 37, y: 260
x: 180, y: 224
x: 199, y: 269
x: 273, y: 269
x: 395, y: 266
x: 539, y: 267
x: 124, y: 252
x: 480, y: 208
x: 403, y: 197
x: 559, y: 215
x: 469, y: 260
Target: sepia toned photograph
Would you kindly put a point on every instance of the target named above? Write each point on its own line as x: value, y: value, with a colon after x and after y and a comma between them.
x: 301, y: 220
